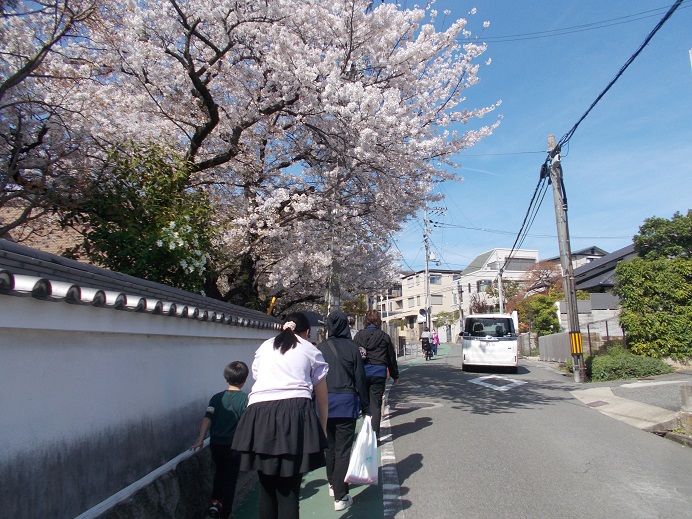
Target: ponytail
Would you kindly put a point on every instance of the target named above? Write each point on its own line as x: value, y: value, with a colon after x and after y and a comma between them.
x: 295, y: 323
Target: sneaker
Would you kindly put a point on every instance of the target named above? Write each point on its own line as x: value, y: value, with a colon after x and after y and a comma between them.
x: 343, y: 504
x: 214, y: 509
x: 331, y: 491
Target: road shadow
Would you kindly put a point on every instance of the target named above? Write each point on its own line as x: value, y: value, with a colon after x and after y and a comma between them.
x: 448, y: 385
x: 363, y: 504
x: 407, y: 428
x: 499, y: 370
x: 405, y: 468
x: 312, y: 487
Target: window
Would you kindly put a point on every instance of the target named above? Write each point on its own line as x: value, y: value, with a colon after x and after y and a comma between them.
x: 417, y: 280
x: 520, y: 264
x: 410, y: 302
x: 410, y: 282
x: 455, y: 298
x: 435, y: 279
x: 436, y: 299
x: 482, y: 284
x: 492, y: 326
x: 418, y: 300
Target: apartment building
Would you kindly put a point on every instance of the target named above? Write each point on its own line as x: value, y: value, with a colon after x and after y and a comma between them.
x: 404, y: 304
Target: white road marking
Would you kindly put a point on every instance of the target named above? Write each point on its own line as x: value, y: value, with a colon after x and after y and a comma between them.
x: 391, y: 489
x: 648, y: 384
x: 484, y: 381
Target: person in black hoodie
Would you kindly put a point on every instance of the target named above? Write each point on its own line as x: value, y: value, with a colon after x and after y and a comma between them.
x: 348, y: 396
x: 380, y: 362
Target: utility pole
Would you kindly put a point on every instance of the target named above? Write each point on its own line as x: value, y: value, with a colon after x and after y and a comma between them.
x: 460, y: 299
x: 426, y: 232
x: 560, y: 200
x: 499, y: 283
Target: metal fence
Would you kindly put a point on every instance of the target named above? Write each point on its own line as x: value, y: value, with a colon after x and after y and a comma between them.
x: 598, y: 336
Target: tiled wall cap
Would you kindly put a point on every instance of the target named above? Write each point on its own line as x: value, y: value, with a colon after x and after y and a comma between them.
x: 67, y: 291
x: 25, y: 284
x: 6, y: 281
x: 167, y: 308
x: 112, y: 298
x: 92, y: 296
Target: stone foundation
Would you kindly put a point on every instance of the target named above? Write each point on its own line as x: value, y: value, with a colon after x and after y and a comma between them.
x: 182, y: 493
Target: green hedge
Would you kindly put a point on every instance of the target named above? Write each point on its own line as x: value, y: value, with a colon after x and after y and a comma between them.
x: 620, y: 364
x: 626, y: 365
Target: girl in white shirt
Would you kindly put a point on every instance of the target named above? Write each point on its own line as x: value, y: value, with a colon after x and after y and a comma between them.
x: 279, y: 434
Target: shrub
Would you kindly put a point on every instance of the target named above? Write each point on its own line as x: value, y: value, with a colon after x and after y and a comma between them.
x: 622, y: 365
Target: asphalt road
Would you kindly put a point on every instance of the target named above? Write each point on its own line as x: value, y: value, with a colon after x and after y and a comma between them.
x: 532, y: 445
x: 495, y: 445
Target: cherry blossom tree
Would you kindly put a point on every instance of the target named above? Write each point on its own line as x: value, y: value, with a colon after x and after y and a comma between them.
x: 305, y: 119
x: 316, y: 128
x: 37, y: 147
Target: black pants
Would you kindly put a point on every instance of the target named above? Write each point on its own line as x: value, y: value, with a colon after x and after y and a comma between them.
x: 340, y: 434
x: 278, y: 497
x: 376, y: 388
x: 227, y: 463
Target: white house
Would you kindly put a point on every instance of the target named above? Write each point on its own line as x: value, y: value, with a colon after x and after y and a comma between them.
x: 485, y: 269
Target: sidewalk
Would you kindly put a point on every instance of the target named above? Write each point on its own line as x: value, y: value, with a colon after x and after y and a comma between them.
x: 651, y: 404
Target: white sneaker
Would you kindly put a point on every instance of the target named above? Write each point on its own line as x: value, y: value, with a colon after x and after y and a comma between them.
x: 331, y: 491
x: 343, y: 504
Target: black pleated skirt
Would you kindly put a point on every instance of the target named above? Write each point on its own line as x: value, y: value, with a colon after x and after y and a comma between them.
x: 280, y: 438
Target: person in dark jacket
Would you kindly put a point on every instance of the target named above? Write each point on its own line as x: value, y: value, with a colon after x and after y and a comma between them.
x: 380, y: 362
x: 348, y: 396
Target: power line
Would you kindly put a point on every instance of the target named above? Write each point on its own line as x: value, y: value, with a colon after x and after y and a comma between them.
x: 602, y: 24
x: 533, y: 209
x: 393, y: 242
x: 541, y: 179
x: 565, y: 138
x: 497, y: 231
x: 500, y: 154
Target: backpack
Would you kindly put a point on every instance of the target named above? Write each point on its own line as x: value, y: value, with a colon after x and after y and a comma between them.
x: 374, y: 339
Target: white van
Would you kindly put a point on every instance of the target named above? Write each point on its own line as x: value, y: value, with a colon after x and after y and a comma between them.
x: 490, y: 340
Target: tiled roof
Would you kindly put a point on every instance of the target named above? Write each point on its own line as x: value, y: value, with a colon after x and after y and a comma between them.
x: 478, y: 263
x: 28, y: 272
x: 587, y: 251
x: 600, y: 274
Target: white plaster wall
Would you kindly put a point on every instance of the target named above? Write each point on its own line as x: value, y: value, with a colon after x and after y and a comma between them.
x: 92, y: 399
x: 58, y: 383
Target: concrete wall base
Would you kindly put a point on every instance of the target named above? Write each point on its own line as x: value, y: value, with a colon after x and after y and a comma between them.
x: 182, y: 493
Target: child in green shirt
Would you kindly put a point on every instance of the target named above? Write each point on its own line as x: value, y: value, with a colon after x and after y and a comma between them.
x: 221, y: 420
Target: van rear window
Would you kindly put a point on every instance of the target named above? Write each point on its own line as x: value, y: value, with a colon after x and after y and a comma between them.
x: 489, y: 326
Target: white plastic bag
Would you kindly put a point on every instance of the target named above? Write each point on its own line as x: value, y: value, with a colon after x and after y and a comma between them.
x: 363, y: 465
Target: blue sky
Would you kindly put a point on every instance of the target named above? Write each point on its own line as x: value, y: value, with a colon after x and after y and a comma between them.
x: 630, y: 159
